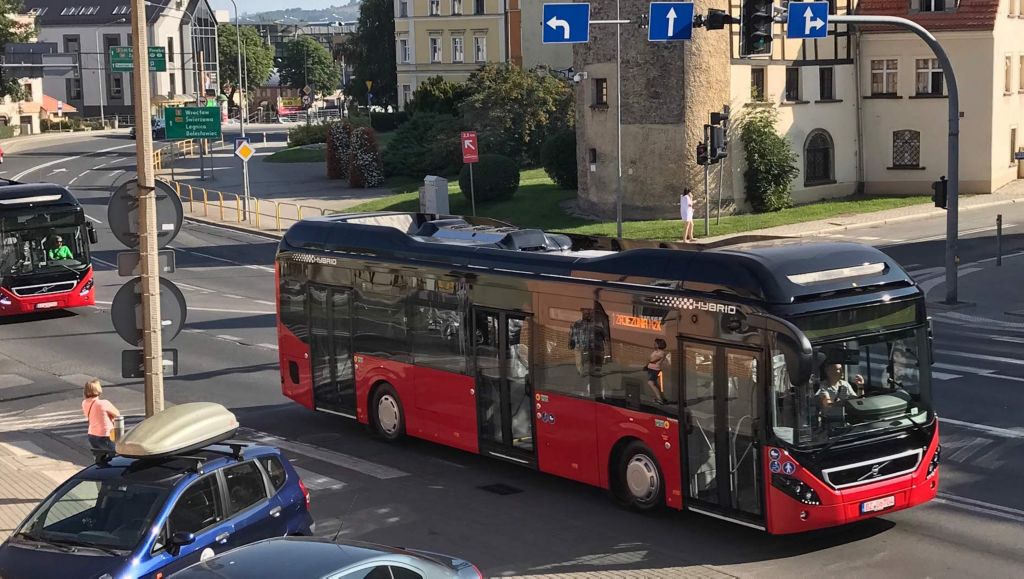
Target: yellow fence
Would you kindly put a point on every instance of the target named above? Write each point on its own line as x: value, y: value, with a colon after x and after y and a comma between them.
x: 183, y: 148
x: 263, y: 214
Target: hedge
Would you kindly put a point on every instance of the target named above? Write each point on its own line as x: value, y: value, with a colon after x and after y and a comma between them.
x: 495, y: 178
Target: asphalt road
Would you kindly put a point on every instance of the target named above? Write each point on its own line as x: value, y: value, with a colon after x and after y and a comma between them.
x: 438, y: 499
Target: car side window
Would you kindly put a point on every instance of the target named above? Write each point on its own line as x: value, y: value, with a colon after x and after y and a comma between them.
x: 197, y: 508
x: 403, y: 573
x: 245, y: 486
x: 275, y: 470
x: 383, y: 572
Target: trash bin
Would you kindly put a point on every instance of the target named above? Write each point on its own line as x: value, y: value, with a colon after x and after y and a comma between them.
x: 118, y: 432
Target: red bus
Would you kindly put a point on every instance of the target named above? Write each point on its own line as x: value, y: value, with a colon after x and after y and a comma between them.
x: 782, y: 386
x: 44, y: 249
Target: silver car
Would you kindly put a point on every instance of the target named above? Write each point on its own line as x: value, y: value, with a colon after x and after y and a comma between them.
x: 321, y: 558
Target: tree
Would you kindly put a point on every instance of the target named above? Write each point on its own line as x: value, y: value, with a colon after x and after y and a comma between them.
x: 257, y: 58
x: 558, y: 157
x: 771, y: 163
x: 307, y: 62
x: 514, y: 109
x: 371, y: 49
x: 12, y: 31
x: 437, y: 95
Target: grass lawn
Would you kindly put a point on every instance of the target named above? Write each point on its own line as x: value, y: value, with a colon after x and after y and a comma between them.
x: 298, y: 155
x: 537, y: 204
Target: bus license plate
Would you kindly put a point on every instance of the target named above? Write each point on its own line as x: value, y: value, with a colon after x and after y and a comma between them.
x: 877, y: 505
x: 46, y: 305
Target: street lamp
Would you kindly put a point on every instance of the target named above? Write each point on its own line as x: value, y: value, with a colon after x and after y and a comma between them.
x: 305, y: 65
x: 238, y: 38
x: 101, y: 69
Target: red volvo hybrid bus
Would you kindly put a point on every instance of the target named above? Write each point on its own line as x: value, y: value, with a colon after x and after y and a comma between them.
x: 44, y: 249
x: 781, y: 386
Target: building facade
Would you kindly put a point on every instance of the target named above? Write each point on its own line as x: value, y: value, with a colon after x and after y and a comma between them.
x: 330, y: 35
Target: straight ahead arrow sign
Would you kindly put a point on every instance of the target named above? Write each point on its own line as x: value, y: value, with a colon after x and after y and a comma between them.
x: 671, y: 22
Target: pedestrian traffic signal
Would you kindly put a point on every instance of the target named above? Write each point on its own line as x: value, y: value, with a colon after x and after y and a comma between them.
x: 756, y: 28
x: 702, y: 154
x: 939, y: 189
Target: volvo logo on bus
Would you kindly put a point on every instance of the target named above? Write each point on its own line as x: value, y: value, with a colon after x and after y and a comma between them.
x: 307, y: 258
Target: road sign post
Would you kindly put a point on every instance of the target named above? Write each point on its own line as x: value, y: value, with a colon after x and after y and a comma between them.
x: 470, y: 156
x: 244, y: 151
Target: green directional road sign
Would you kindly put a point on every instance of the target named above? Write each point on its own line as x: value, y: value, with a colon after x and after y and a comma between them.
x: 121, y: 59
x: 192, y: 123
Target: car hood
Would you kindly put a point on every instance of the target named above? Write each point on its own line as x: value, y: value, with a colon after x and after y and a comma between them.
x: 25, y: 561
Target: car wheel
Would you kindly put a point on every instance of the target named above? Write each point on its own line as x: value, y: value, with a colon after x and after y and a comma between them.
x: 387, y: 413
x: 638, y: 482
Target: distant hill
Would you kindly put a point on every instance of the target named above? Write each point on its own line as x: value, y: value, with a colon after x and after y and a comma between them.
x: 346, y: 13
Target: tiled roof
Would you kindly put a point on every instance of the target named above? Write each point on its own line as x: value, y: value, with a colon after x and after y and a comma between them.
x: 88, y: 12
x: 968, y: 15
x: 50, y: 105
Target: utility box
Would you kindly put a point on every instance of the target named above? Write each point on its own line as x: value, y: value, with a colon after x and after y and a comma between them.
x: 434, y: 195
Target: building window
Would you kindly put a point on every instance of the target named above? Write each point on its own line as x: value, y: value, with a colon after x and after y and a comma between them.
x: 170, y: 49
x: 479, y: 7
x: 1008, y: 74
x: 906, y: 149
x: 929, y: 76
x: 480, y: 48
x: 435, y: 49
x: 1013, y: 145
x: 406, y: 94
x: 403, y: 49
x: 458, y: 49
x: 28, y: 91
x: 601, y: 92
x: 933, y: 5
x: 74, y: 88
x: 757, y: 91
x: 456, y: 7
x: 826, y: 83
x: 403, y: 9
x: 174, y: 83
x: 818, y: 156
x: 792, y: 84
x: 592, y: 156
x: 884, y: 77
x: 116, y: 86
x: 72, y: 44
x: 435, y: 7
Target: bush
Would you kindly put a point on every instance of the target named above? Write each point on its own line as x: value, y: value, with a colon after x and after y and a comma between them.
x: 437, y: 95
x: 339, y: 150
x: 365, y: 168
x: 6, y: 132
x: 558, y: 157
x: 307, y: 135
x: 771, y: 163
x: 426, y: 145
x: 496, y: 178
x: 384, y: 122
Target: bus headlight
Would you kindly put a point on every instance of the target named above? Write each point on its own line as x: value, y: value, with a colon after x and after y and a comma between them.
x: 936, y: 458
x: 86, y: 288
x: 797, y: 489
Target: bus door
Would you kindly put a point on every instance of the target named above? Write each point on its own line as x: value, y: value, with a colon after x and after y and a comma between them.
x: 722, y: 468
x: 330, y: 324
x: 504, y: 388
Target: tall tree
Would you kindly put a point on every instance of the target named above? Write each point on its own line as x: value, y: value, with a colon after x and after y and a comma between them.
x: 12, y: 31
x: 371, y: 49
x: 257, y: 57
x: 307, y: 62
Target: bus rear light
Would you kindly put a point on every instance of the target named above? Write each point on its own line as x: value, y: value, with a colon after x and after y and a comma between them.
x: 936, y: 458
x: 86, y: 288
x: 799, y: 490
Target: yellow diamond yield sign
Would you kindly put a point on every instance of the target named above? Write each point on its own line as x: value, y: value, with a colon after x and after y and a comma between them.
x: 244, y: 151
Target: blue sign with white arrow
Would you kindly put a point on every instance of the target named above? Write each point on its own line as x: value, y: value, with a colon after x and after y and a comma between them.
x: 566, y: 23
x: 807, y: 20
x: 670, y: 21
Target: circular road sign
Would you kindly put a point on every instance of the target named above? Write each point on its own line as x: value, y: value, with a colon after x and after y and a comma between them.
x: 126, y: 311
x: 123, y: 214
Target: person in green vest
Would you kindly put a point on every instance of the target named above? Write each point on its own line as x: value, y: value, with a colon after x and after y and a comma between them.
x: 60, y: 251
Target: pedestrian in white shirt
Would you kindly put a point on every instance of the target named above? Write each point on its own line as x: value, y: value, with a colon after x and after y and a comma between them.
x: 686, y: 213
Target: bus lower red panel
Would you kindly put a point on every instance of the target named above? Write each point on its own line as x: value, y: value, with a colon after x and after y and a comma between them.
x: 84, y: 294
x: 658, y: 433
x: 567, y: 437
x: 296, y: 377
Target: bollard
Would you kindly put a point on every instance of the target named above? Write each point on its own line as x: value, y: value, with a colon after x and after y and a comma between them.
x: 999, y: 240
x: 264, y: 138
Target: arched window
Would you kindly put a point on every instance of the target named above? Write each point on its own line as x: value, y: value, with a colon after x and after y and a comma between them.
x: 906, y: 149
x: 818, y: 159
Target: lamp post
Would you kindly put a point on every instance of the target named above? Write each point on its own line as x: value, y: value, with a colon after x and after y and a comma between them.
x: 101, y: 69
x: 238, y: 38
x: 305, y: 65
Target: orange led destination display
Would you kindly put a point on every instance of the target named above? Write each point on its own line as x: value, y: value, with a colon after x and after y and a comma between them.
x: 638, y: 322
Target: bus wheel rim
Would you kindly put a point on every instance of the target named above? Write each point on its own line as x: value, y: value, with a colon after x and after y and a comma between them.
x: 388, y: 415
x: 642, y: 478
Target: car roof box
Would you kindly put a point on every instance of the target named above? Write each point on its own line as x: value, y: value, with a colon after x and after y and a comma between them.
x: 178, y: 430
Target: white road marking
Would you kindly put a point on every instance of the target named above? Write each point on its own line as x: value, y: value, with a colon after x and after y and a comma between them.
x: 264, y: 302
x: 980, y: 507
x: 968, y: 369
x: 196, y: 288
x: 234, y: 297
x: 229, y: 338
x: 227, y: 311
x: 221, y: 259
x: 944, y: 376
x: 962, y: 233
x: 267, y: 346
x: 107, y: 263
x: 318, y: 482
x: 359, y: 465
x: 964, y: 453
x: 39, y: 167
x: 1007, y: 339
x: 261, y: 268
x: 926, y: 286
x: 91, y: 218
x: 993, y: 430
x: 985, y: 357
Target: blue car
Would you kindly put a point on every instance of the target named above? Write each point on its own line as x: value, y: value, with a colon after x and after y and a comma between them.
x: 156, y: 512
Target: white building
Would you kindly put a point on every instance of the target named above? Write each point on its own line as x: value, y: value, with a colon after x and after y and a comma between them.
x: 186, y: 29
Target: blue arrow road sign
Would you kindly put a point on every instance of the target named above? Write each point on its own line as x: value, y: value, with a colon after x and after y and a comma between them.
x: 807, y: 20
x: 670, y: 21
x: 566, y: 23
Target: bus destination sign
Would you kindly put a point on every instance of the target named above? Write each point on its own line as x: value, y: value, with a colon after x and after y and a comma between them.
x: 637, y: 322
x: 192, y: 123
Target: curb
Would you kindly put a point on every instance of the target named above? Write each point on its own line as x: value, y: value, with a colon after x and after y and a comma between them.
x: 234, y: 227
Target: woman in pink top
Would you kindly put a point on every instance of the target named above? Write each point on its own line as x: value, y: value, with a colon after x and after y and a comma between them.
x: 101, y: 415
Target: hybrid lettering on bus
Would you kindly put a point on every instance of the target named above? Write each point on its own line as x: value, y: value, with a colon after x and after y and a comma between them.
x: 783, y: 386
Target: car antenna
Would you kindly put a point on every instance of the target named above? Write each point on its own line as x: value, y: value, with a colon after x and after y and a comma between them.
x: 347, y: 511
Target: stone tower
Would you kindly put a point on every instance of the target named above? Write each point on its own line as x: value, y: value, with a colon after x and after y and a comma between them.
x: 668, y: 91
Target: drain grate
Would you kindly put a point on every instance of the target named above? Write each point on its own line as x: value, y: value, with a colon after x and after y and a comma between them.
x: 501, y: 489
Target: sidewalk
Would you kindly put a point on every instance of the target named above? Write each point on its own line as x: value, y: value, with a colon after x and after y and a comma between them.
x: 27, y: 474
x: 987, y: 300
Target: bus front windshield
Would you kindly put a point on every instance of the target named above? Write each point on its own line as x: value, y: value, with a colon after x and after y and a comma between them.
x: 24, y: 251
x: 858, y: 387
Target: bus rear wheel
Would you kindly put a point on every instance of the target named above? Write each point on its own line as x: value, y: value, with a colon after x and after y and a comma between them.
x: 387, y: 413
x: 638, y: 482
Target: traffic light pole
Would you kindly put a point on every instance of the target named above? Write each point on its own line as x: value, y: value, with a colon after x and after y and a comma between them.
x: 953, y: 154
x: 707, y: 198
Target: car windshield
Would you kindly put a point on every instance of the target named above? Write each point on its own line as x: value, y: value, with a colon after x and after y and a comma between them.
x: 107, y: 514
x: 25, y: 251
x: 858, y: 386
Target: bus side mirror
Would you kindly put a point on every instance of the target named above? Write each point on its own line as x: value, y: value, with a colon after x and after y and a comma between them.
x: 931, y: 342
x: 94, y: 238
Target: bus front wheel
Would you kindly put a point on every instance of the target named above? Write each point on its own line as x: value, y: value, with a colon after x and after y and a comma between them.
x: 638, y: 482
x: 388, y: 415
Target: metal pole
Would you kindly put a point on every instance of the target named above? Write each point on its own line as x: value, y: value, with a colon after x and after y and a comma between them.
x: 472, y: 189
x: 101, y: 70
x: 953, y: 153
x: 721, y: 175
x: 999, y: 239
x: 245, y: 188
x: 238, y: 38
x: 618, y: 121
x: 707, y: 203
x: 152, y: 343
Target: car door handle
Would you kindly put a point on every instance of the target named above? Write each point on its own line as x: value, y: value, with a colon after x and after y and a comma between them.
x: 222, y: 538
x: 275, y: 512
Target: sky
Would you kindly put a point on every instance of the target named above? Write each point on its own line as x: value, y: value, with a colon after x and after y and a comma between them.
x: 253, y: 6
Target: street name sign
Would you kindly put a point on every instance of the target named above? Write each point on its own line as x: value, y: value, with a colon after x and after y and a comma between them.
x: 566, y: 23
x: 192, y: 123
x: 121, y: 58
x: 470, y: 151
x: 807, y: 20
x: 670, y: 21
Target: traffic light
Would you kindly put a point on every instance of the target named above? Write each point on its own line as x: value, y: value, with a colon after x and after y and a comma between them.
x: 756, y: 28
x: 939, y: 189
x: 718, y: 150
x: 702, y: 153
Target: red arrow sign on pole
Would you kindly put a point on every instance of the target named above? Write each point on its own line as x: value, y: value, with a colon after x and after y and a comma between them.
x: 470, y: 152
